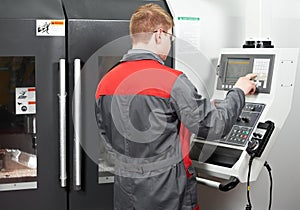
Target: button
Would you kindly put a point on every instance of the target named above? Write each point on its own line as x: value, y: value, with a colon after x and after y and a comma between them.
x: 258, y: 83
x: 258, y: 135
x: 245, y: 119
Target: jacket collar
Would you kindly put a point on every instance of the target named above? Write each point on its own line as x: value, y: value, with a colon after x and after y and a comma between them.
x: 140, y: 54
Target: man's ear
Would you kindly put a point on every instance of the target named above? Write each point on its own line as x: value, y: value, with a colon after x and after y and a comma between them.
x: 157, y: 36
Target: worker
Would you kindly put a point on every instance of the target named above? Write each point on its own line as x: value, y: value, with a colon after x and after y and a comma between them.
x: 146, y: 112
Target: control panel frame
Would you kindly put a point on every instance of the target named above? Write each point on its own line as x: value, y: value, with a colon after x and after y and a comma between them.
x: 277, y: 104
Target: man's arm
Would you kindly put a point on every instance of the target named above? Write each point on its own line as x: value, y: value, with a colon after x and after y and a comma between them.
x: 201, y: 116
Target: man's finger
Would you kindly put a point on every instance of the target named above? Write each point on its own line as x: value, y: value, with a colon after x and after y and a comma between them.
x: 251, y: 76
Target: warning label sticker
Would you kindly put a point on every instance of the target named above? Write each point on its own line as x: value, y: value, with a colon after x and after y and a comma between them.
x: 25, y: 100
x: 50, y: 27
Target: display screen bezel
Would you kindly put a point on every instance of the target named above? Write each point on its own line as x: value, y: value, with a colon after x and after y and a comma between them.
x: 222, y: 84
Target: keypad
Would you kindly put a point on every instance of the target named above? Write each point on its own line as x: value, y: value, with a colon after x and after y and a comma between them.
x: 238, y: 135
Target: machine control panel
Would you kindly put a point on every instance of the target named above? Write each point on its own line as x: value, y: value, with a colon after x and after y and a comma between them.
x: 233, y: 66
x: 260, y: 121
x: 242, y: 129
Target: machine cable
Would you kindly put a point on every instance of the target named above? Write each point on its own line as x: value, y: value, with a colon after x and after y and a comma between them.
x: 249, y: 205
x: 268, y: 167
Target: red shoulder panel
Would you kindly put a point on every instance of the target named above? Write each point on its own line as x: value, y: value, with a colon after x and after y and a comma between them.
x: 143, y: 77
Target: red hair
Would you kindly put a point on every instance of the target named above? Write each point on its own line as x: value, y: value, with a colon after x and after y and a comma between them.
x: 147, y: 19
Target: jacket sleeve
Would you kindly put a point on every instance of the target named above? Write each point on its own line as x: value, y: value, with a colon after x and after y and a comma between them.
x: 200, y: 115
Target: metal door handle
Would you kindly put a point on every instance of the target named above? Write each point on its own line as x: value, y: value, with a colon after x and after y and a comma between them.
x: 77, y: 125
x: 62, y: 122
x: 232, y: 183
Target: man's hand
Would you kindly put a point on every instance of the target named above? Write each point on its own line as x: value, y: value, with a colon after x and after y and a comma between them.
x: 246, y: 84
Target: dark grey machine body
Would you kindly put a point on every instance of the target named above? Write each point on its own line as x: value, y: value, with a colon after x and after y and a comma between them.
x: 89, y: 26
x: 18, y: 38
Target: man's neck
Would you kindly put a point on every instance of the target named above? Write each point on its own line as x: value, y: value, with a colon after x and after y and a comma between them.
x: 143, y: 46
x: 150, y: 47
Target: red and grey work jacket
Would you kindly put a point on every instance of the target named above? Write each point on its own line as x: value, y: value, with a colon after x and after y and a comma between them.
x: 145, y: 113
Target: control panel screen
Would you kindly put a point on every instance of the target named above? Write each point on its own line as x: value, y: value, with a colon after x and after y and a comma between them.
x: 234, y: 66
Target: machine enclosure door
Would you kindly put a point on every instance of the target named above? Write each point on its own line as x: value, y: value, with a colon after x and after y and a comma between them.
x: 29, y: 65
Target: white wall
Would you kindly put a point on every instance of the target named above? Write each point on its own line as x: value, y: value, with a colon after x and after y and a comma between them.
x: 223, y: 25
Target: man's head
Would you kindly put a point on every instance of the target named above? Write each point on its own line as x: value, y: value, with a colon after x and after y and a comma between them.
x: 151, y: 29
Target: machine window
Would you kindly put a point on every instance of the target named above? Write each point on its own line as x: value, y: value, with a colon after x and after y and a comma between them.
x: 18, y: 152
